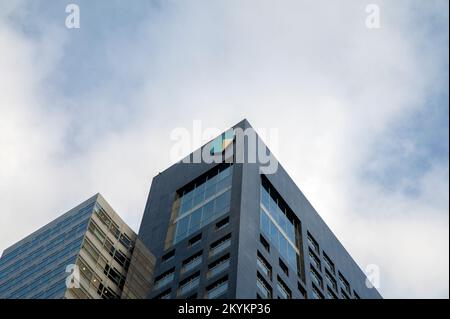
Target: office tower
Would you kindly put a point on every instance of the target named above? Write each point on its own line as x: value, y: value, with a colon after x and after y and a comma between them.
x: 89, y: 252
x: 235, y: 229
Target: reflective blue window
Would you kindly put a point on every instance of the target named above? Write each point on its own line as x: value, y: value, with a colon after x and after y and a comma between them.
x: 182, y: 228
x: 196, y: 218
x: 207, y: 201
x: 277, y: 227
x: 265, y: 224
x: 24, y: 270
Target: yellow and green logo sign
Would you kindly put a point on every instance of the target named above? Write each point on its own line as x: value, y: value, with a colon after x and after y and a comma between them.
x: 222, y: 142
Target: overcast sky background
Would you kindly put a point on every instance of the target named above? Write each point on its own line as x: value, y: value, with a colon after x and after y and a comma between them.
x: 362, y: 113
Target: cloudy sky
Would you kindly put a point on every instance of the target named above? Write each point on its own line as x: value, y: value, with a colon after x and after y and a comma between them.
x: 362, y: 113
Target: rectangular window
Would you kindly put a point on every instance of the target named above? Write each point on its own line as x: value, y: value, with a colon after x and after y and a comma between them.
x: 220, y: 245
x: 316, y: 278
x: 264, y: 289
x: 85, y: 270
x: 120, y: 258
x: 302, y: 290
x: 203, y: 201
x: 100, y: 235
x: 106, y: 292
x: 217, y: 289
x: 101, y: 214
x: 344, y: 295
x: 95, y: 282
x: 114, y: 275
x: 164, y: 295
x: 126, y: 241
x: 330, y: 280
x: 164, y: 279
x: 195, y: 240
x: 192, y: 262
x: 190, y: 283
x: 223, y: 223
x: 331, y: 294
x: 264, y: 266
x: 109, y: 247
x: 344, y: 283
x: 279, y: 224
x: 283, y: 267
x: 283, y: 291
x: 314, y: 259
x: 328, y: 263
x: 264, y: 243
x: 316, y: 294
x: 219, y: 266
x: 92, y: 252
x: 168, y: 256
x: 114, y: 229
x: 271, y: 230
x: 313, y: 243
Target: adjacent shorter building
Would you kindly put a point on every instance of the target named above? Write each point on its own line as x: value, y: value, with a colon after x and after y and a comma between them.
x: 89, y: 252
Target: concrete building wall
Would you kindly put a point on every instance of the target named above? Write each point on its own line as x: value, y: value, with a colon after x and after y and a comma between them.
x: 139, y: 279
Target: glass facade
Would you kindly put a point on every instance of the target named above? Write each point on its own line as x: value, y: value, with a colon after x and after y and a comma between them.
x: 90, y: 239
x: 207, y: 200
x: 36, y: 268
x: 277, y: 227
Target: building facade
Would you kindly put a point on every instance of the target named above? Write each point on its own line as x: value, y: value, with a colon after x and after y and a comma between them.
x: 89, y: 252
x: 226, y: 229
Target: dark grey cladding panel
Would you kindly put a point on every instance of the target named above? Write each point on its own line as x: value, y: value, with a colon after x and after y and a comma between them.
x: 248, y: 232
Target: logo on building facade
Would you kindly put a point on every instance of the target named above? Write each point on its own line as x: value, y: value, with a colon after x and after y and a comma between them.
x: 221, y: 143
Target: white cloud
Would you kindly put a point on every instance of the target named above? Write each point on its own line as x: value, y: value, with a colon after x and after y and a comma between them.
x: 312, y: 69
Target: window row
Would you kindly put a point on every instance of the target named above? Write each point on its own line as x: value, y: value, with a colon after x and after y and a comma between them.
x: 38, y: 251
x: 46, y: 235
x: 278, y: 212
x: 203, y: 215
x: 26, y: 290
x: 205, y: 188
x: 330, y: 272
x: 278, y: 239
x: 34, y: 268
x: 221, y: 224
x: 113, y: 228
x: 116, y: 253
x: 196, y: 260
x: 264, y: 290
